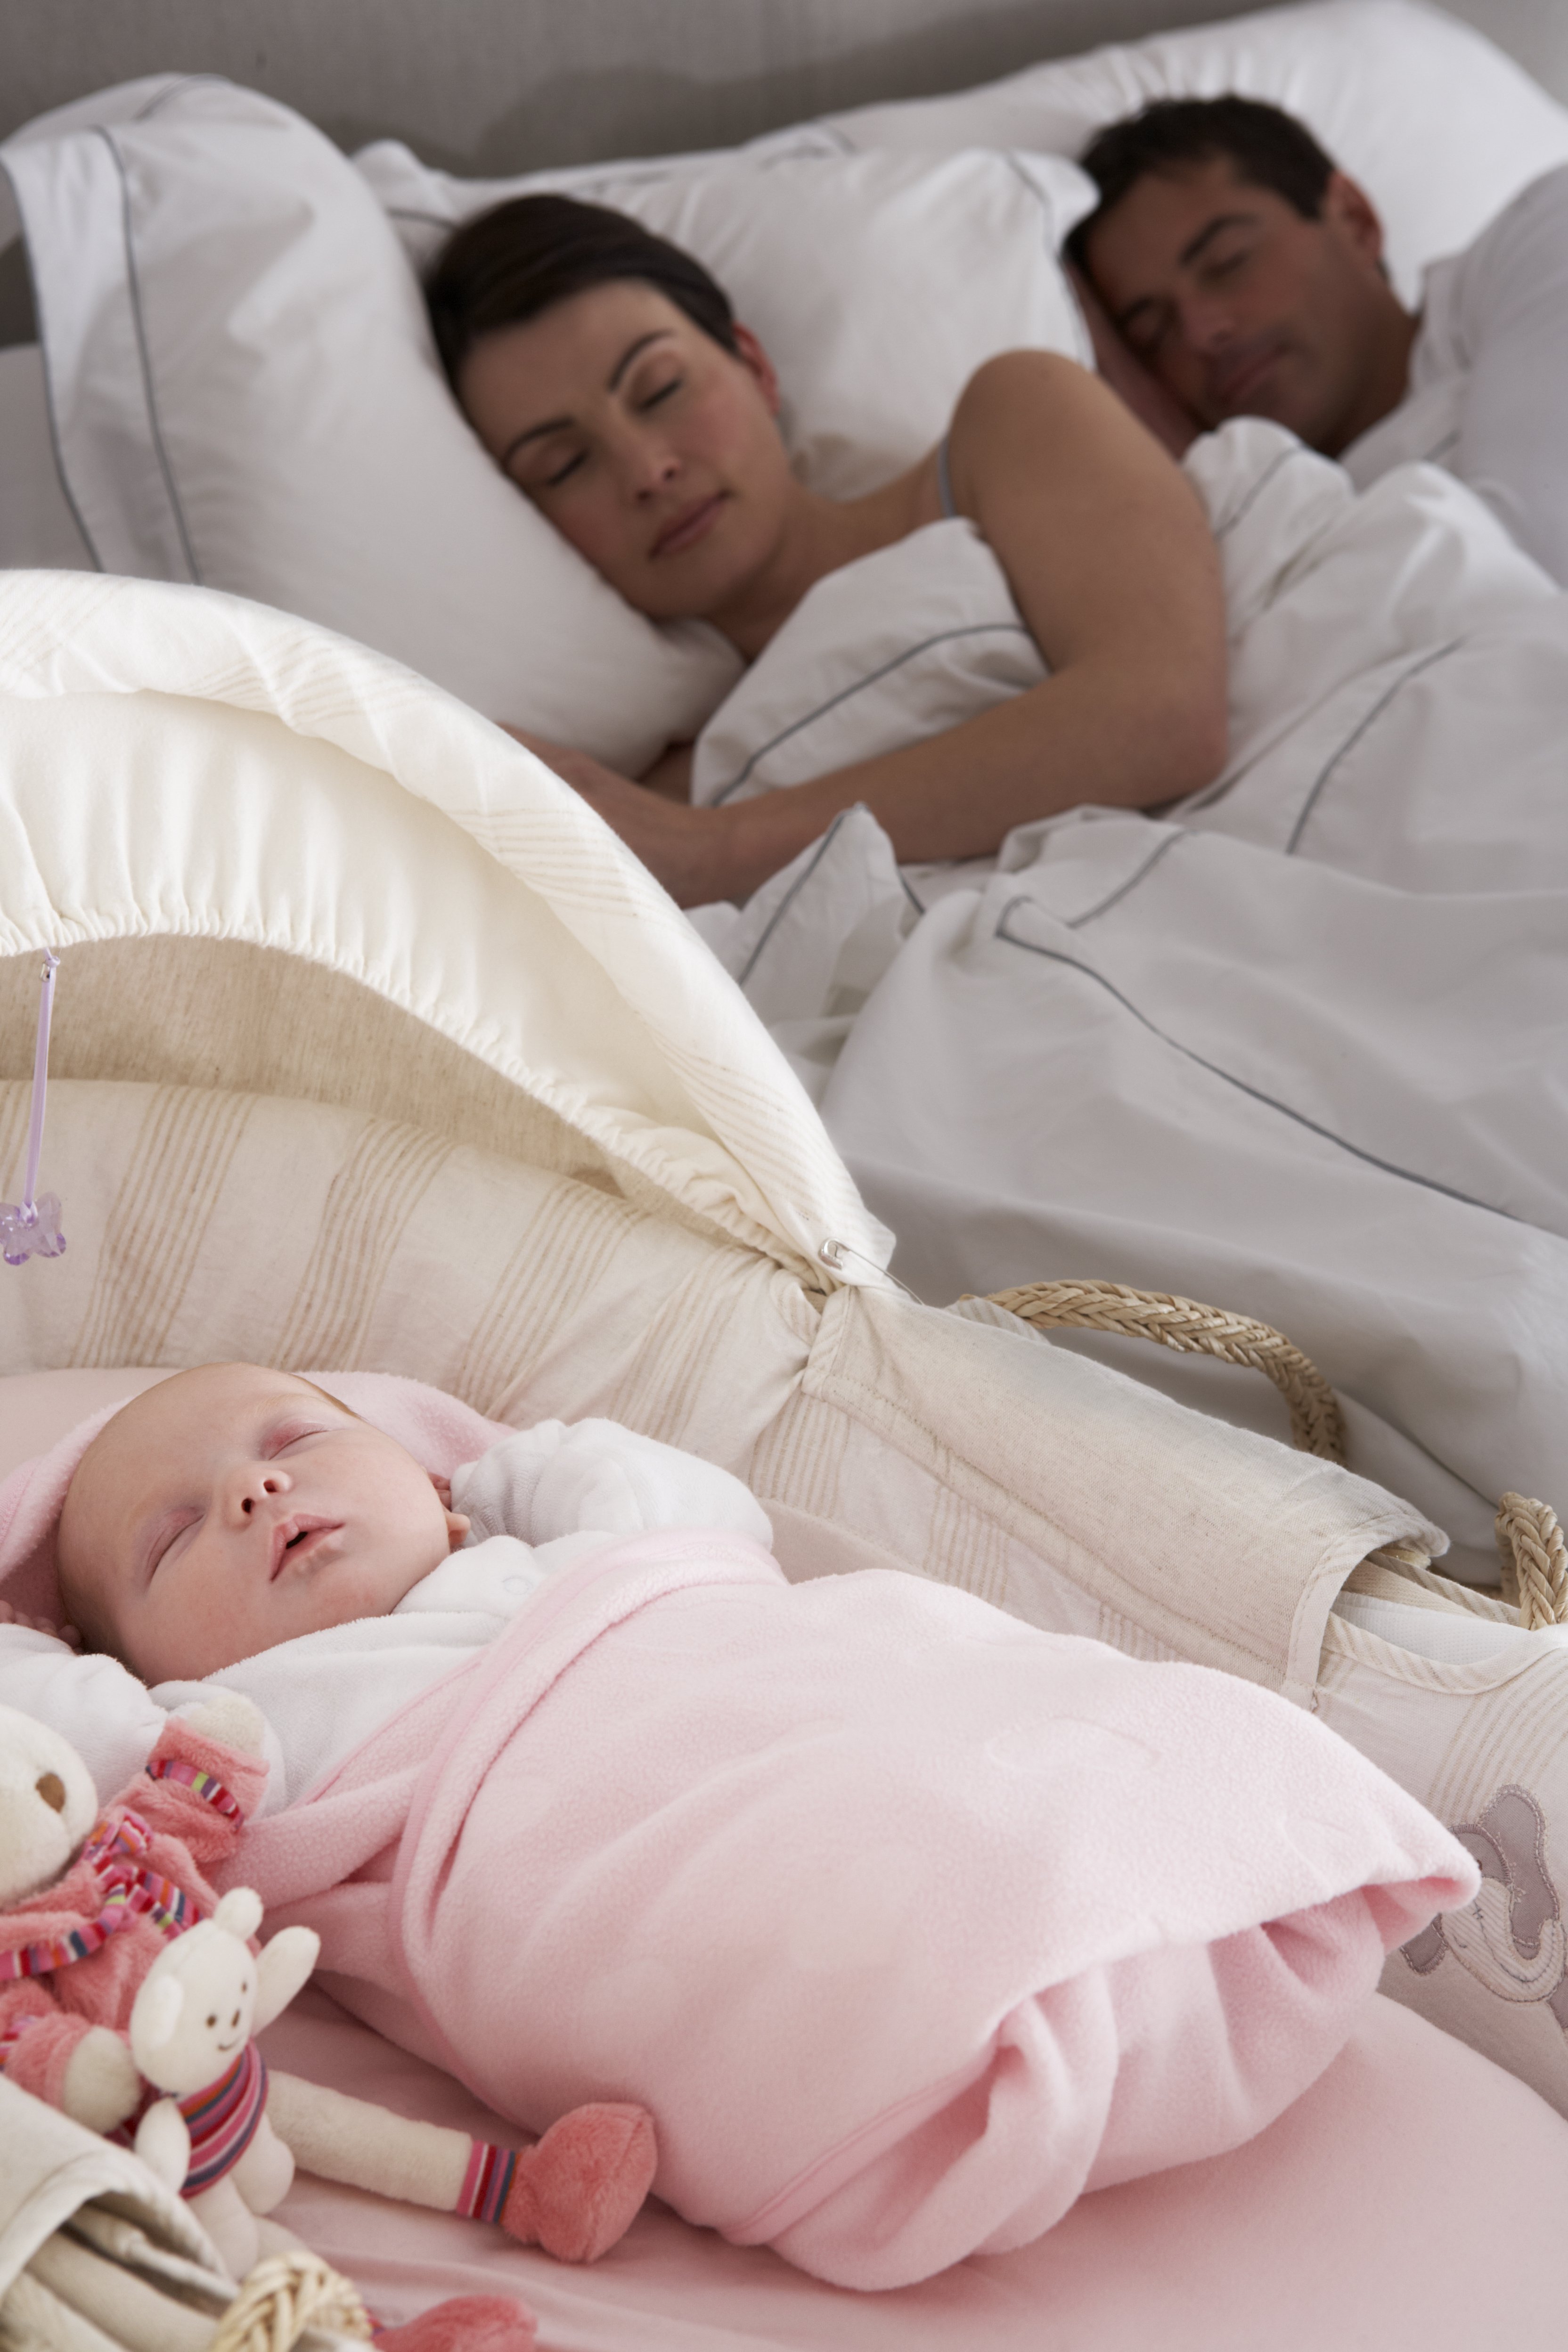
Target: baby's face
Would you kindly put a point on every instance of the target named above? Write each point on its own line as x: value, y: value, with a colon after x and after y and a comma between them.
x: 231, y: 1508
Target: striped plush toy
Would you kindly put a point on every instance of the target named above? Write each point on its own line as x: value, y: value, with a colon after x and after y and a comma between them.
x: 120, y: 1966
x: 213, y: 2139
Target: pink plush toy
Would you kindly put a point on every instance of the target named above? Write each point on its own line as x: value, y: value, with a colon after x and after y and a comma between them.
x: 89, y: 1899
x: 98, y: 1906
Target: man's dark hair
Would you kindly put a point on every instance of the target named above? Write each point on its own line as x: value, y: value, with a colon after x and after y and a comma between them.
x: 508, y: 264
x: 1267, y: 147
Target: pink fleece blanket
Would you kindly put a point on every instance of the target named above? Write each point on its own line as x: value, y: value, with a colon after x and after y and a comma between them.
x: 438, y: 1430
x: 909, y: 1922
x: 1382, y: 2212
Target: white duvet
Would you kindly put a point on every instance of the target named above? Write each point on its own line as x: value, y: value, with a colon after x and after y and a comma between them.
x: 1297, y: 1046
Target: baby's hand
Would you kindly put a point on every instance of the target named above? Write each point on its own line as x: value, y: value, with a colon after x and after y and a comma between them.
x: 26, y: 1625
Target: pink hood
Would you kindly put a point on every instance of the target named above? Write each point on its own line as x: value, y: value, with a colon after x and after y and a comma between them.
x: 438, y: 1430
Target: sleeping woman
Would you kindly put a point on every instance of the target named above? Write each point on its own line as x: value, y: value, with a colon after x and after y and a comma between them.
x: 605, y: 372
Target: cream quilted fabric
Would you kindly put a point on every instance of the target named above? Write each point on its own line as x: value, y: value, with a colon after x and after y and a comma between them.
x: 181, y: 767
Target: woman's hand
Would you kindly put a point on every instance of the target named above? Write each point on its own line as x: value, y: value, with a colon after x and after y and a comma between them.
x: 682, y: 847
x: 698, y: 854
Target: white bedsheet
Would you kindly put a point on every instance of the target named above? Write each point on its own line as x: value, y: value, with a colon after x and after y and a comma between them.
x: 1296, y: 1046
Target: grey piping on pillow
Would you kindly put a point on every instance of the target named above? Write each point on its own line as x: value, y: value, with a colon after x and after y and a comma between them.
x: 65, y: 490
x: 1047, y: 210
x: 135, y: 289
x: 1053, y: 244
x: 841, y: 139
x: 1269, y: 1102
x: 173, y: 87
x: 942, y: 637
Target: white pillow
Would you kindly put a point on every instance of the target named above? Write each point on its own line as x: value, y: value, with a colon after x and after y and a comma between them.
x: 1441, y: 128
x: 246, y: 394
x: 37, y: 528
x: 877, y: 283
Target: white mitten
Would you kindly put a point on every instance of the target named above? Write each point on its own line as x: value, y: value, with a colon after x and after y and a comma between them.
x: 596, y: 1477
x: 496, y: 1493
x: 611, y: 1479
x: 101, y: 2085
x: 229, y: 1718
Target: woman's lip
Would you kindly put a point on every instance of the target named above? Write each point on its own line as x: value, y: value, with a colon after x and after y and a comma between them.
x: 689, y: 527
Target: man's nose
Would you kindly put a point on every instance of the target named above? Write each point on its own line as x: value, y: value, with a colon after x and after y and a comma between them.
x: 1205, y: 321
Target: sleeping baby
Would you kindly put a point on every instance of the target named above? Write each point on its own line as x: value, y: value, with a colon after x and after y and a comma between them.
x: 239, y: 1522
x: 908, y: 1921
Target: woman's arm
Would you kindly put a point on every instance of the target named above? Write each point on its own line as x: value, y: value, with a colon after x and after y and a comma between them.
x: 1113, y: 567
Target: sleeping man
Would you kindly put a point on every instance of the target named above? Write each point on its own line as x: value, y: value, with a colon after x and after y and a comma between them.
x: 906, y: 1920
x: 1238, y: 272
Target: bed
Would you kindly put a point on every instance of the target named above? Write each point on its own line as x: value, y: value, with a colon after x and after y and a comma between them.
x: 153, y: 395
x: 654, y: 1223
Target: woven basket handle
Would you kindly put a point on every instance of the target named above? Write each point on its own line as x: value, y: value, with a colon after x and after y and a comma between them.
x: 1317, y: 1426
x: 284, y: 2296
x: 1528, y: 1538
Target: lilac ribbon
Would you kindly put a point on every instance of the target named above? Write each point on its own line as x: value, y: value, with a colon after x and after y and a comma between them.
x: 33, y: 1228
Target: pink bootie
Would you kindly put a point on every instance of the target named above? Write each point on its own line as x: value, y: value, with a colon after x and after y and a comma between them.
x: 468, y: 2323
x: 580, y: 2188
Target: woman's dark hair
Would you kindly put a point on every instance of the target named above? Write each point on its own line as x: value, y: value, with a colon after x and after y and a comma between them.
x: 508, y: 264
x: 1267, y: 146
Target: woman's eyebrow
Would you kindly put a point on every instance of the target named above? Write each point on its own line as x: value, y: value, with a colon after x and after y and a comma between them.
x: 654, y: 335
x: 565, y: 424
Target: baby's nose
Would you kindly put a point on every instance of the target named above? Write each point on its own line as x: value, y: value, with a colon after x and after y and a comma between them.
x: 271, y: 1484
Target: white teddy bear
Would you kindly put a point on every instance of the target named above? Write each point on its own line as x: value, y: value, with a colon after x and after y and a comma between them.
x: 191, y: 2036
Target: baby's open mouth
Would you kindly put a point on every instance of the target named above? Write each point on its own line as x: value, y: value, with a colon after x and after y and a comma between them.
x: 295, y: 1539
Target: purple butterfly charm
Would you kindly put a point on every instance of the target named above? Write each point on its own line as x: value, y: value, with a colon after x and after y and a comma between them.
x: 33, y: 1232
x: 31, y: 1227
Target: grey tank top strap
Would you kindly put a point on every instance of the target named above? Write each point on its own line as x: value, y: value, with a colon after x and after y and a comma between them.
x: 944, y: 479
